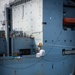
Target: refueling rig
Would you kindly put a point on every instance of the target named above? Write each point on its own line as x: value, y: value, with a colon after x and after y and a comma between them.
x: 39, y: 38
